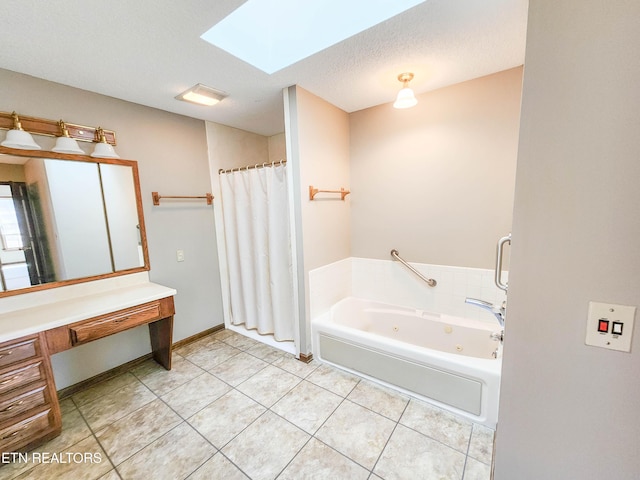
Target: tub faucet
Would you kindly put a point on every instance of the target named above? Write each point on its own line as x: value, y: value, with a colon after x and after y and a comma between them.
x: 498, y: 312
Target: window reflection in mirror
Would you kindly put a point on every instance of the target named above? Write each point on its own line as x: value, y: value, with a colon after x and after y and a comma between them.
x: 14, y: 272
x: 64, y: 219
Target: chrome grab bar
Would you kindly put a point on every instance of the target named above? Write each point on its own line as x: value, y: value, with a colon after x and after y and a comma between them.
x: 430, y: 281
x: 499, y: 253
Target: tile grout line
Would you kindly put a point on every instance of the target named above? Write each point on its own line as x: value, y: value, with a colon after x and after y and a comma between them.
x: 165, y: 434
x: 295, y: 456
x: 158, y: 397
x: 432, y: 438
x: 186, y: 421
x: 389, y: 439
x: 342, y: 454
x: 115, y: 467
x: 301, y: 377
x: 466, y: 456
x: 138, y: 378
x: 378, y: 413
x: 93, y: 433
x: 344, y: 399
x: 233, y: 463
x: 216, y: 451
x: 471, y: 438
x: 247, y: 426
x: 268, y: 409
x: 232, y: 388
x: 182, y: 421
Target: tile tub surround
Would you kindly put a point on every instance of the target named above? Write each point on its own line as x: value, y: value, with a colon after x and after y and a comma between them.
x: 212, y: 419
x: 390, y: 282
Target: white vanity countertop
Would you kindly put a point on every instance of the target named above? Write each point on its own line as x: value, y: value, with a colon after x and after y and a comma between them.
x: 35, y: 319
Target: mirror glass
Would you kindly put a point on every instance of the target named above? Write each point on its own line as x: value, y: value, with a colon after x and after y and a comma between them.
x: 62, y: 219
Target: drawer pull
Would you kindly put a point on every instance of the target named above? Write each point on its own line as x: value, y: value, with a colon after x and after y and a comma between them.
x: 13, y: 434
x: 119, y: 320
x: 9, y: 380
x: 2, y: 355
x: 12, y: 406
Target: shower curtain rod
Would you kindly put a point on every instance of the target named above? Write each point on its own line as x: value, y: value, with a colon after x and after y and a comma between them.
x: 250, y: 167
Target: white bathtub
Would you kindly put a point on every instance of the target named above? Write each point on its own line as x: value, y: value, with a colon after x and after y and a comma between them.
x: 449, y: 361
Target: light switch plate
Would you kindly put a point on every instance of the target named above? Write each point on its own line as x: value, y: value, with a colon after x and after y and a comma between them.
x: 180, y: 255
x: 600, y: 326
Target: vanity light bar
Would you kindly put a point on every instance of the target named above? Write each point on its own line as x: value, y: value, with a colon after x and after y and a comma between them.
x: 51, y: 128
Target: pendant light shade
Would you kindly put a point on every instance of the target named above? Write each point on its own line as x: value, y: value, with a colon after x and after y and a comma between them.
x: 66, y: 144
x: 18, y: 138
x: 104, y: 149
x: 406, y: 98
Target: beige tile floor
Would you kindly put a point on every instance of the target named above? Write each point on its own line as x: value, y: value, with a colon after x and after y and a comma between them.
x: 232, y: 408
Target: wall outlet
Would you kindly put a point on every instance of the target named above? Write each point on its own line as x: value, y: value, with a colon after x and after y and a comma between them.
x: 180, y: 255
x: 610, y: 326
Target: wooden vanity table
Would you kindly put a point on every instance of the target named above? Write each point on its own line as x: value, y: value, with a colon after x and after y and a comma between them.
x: 158, y: 314
x: 82, y: 261
x: 29, y: 410
x: 29, y: 407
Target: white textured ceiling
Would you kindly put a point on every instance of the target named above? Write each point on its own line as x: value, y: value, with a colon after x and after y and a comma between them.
x: 148, y: 51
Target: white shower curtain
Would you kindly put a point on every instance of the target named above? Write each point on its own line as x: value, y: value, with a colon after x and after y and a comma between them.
x: 258, y: 243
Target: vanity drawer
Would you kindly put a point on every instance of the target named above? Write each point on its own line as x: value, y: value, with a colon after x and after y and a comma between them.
x: 21, y: 376
x: 20, y: 400
x: 114, y: 322
x: 13, y: 352
x: 24, y: 428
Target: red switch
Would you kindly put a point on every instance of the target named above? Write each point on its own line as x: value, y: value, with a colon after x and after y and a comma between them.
x: 603, y: 325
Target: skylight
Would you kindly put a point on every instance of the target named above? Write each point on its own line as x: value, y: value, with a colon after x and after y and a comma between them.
x: 273, y: 34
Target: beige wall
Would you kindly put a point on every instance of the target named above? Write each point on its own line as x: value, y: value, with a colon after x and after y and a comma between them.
x: 277, y: 148
x: 567, y: 410
x: 11, y: 173
x: 171, y: 151
x: 231, y: 147
x: 318, y: 148
x: 324, y: 163
x: 436, y: 181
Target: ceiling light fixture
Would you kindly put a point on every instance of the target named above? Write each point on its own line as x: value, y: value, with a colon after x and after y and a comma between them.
x: 202, y: 95
x: 66, y: 144
x: 406, y: 97
x: 103, y: 149
x: 18, y: 138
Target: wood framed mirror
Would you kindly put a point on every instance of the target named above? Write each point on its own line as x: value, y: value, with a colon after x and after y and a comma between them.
x: 67, y: 219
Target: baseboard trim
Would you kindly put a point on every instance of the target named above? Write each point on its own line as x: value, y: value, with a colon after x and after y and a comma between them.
x: 197, y: 336
x: 114, y: 372
x: 89, y: 382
